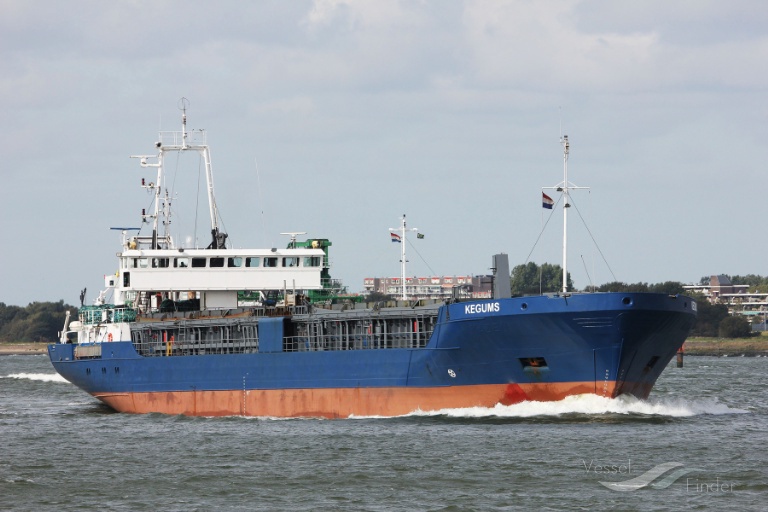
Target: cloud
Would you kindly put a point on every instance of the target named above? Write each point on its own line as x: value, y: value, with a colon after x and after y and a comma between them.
x: 434, y: 108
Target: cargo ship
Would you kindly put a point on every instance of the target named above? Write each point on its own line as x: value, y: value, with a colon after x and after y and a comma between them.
x: 219, y: 331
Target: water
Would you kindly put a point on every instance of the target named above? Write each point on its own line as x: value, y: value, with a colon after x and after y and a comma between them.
x: 61, y: 450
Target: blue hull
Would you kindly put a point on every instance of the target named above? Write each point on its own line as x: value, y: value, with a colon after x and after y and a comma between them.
x: 503, y: 351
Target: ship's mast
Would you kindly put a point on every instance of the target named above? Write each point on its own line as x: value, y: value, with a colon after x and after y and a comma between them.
x: 402, y: 229
x: 156, y: 187
x: 565, y: 186
x: 218, y: 240
x: 182, y: 141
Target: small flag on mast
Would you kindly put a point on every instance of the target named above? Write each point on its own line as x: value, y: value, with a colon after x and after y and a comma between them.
x: 395, y: 237
x: 546, y: 201
x: 419, y: 235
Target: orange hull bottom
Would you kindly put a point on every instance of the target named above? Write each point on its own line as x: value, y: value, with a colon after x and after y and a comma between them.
x: 343, y: 402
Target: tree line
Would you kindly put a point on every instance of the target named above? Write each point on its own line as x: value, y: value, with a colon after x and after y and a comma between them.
x: 37, y: 322
x: 531, y: 279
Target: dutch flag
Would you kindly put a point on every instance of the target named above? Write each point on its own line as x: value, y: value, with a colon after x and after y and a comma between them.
x: 395, y: 237
x: 546, y: 201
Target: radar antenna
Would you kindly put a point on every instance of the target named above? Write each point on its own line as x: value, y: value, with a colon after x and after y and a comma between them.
x: 293, y: 235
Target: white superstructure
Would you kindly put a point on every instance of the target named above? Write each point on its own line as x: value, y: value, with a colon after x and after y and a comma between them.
x: 152, y: 269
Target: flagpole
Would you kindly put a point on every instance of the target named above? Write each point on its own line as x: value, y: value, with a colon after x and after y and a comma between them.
x: 566, y: 205
x: 402, y: 257
x: 402, y: 230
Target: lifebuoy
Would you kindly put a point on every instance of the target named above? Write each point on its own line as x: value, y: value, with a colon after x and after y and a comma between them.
x: 109, y: 337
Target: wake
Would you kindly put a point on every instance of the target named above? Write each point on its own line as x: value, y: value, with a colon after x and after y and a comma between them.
x: 40, y: 377
x: 593, y: 405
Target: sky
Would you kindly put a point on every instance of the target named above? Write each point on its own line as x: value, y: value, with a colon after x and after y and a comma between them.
x: 336, y: 117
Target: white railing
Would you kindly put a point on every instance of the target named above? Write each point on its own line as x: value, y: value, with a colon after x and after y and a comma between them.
x: 194, y: 138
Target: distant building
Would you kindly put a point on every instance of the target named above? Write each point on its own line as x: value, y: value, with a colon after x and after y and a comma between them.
x: 720, y: 290
x: 433, y: 287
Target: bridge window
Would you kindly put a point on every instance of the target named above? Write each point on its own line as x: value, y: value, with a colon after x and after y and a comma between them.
x: 198, y: 262
x: 235, y: 262
x: 252, y: 262
x: 181, y: 262
x: 159, y: 262
x: 291, y: 262
x: 270, y: 262
x: 217, y: 262
x: 312, y: 261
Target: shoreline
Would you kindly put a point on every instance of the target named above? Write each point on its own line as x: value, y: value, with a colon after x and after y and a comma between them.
x: 750, y: 347
x: 747, y: 347
x: 23, y: 349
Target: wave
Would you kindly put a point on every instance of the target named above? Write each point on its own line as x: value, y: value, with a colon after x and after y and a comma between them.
x: 40, y: 377
x: 592, y: 405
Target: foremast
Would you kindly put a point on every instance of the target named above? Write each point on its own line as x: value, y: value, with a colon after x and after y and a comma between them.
x: 565, y: 187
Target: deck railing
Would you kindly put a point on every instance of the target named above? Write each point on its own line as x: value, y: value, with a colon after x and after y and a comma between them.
x: 330, y: 342
x: 190, y: 342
